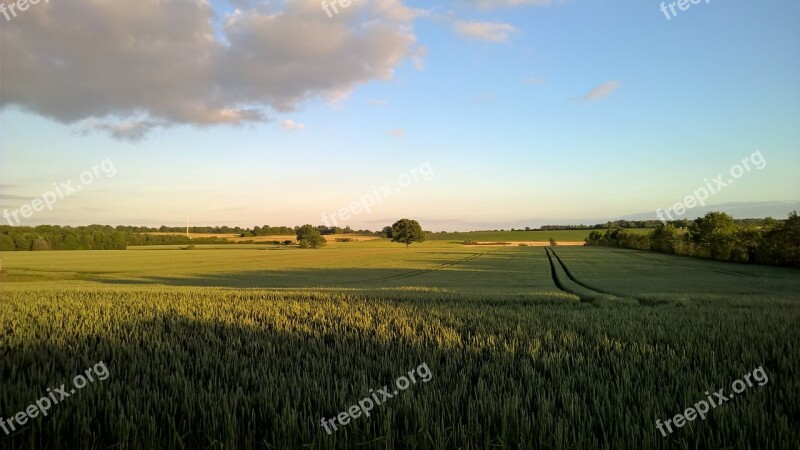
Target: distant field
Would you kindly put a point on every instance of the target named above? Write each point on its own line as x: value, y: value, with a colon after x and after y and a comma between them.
x: 269, y: 238
x: 480, y: 236
x: 249, y: 346
x: 520, y: 236
x: 356, y: 265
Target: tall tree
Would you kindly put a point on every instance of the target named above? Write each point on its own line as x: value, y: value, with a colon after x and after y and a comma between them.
x: 407, y: 231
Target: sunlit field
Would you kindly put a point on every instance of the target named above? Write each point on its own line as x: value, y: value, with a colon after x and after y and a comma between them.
x: 251, y: 346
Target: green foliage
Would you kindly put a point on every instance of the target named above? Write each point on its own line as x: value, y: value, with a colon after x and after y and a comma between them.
x: 309, y: 236
x: 407, y: 231
x: 717, y: 236
x: 520, y: 235
x: 6, y: 243
x: 93, y: 237
x: 781, y: 245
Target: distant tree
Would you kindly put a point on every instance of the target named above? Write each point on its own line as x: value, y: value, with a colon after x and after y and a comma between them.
x: 386, y: 232
x: 407, y: 231
x: 71, y: 243
x: 553, y: 242
x: 782, y: 243
x: 714, y: 234
x: 40, y: 244
x: 595, y: 238
x: 309, y: 236
x: 705, y: 229
x: 6, y: 243
x: 665, y: 238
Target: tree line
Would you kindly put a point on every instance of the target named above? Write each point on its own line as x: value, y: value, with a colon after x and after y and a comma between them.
x: 716, y: 236
x: 92, y: 237
x: 106, y: 237
x: 682, y: 223
x: 264, y: 230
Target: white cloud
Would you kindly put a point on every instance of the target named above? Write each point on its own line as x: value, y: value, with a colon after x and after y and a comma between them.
x: 291, y: 125
x: 134, y: 66
x: 487, y: 31
x: 418, y: 57
x: 602, y: 91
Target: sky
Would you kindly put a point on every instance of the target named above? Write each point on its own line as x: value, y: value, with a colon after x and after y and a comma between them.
x: 463, y: 114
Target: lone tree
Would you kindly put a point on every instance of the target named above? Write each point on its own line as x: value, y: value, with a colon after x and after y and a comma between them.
x: 309, y: 236
x: 407, y: 231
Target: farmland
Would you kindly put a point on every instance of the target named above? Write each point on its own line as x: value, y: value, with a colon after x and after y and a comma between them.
x: 522, y: 236
x: 249, y: 346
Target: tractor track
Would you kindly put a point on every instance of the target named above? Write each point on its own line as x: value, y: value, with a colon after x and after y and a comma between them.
x: 592, y: 289
x: 578, y: 282
x: 556, y: 280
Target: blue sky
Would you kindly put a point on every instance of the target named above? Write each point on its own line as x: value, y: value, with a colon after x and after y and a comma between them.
x: 564, y: 112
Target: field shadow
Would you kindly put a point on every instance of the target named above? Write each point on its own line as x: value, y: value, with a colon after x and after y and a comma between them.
x: 471, y: 269
x: 263, y: 378
x: 176, y: 382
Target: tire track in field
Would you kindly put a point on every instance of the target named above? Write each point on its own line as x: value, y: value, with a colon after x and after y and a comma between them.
x: 578, y: 282
x: 586, y: 286
x: 669, y: 263
x: 418, y: 272
x: 554, y: 274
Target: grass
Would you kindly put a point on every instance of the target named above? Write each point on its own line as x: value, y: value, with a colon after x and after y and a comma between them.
x: 250, y: 347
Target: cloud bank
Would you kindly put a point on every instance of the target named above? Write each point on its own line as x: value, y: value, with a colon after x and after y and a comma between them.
x: 126, y: 68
